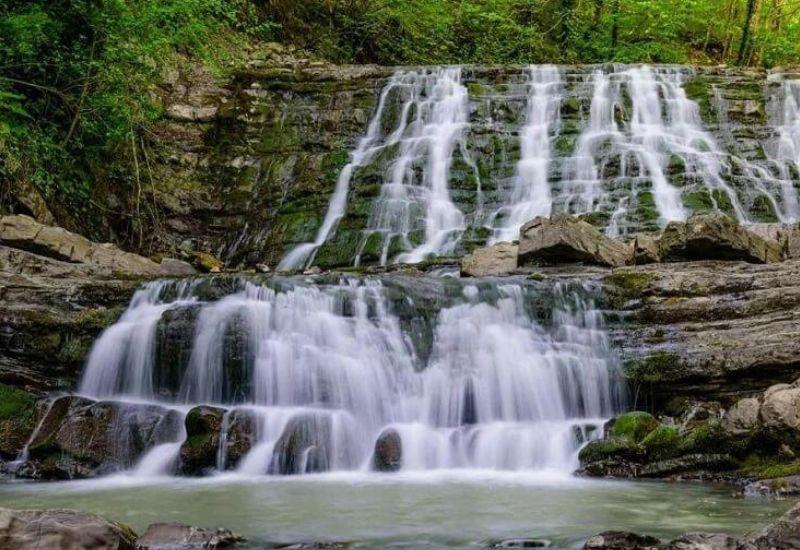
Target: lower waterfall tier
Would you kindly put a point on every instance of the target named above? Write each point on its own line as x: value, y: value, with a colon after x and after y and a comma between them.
x: 293, y: 376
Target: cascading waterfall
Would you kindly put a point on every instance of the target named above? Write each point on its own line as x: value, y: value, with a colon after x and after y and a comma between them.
x: 785, y: 150
x: 322, y: 370
x: 531, y: 195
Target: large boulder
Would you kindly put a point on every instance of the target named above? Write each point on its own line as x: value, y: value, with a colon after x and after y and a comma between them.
x: 240, y: 436
x: 646, y: 248
x: 25, y: 233
x: 199, y: 452
x: 491, y: 261
x: 742, y: 418
x: 304, y: 446
x: 706, y: 541
x: 566, y: 239
x: 388, y: 456
x: 786, y: 235
x: 781, y: 408
x: 78, y: 437
x: 61, y: 530
x: 784, y: 534
x: 173, y: 536
x: 716, y: 237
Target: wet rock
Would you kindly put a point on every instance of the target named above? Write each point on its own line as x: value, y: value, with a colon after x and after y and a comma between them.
x: 207, y: 263
x: 491, y: 261
x: 776, y: 487
x: 172, y: 267
x: 17, y: 420
x: 742, y: 418
x: 304, y: 446
x: 175, y: 536
x: 621, y: 540
x: 706, y: 541
x: 646, y: 248
x: 784, y: 534
x: 241, y: 434
x: 633, y: 426
x: 79, y: 437
x: 61, y: 530
x: 388, y: 455
x: 696, y: 462
x: 566, y: 239
x: 519, y: 543
x: 715, y: 237
x: 198, y: 453
x: 786, y: 235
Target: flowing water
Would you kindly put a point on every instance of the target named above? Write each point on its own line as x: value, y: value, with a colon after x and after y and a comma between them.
x: 475, y: 378
x: 628, y: 145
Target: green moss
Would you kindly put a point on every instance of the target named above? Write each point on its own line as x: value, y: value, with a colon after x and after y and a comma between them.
x: 663, y: 442
x: 625, y: 285
x: 655, y: 367
x: 634, y: 426
x: 15, y: 403
x: 698, y: 201
x: 606, y: 449
x: 723, y: 202
x: 762, y: 210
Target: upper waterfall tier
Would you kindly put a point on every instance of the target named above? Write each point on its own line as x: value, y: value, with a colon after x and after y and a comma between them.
x: 454, y: 157
x: 502, y: 376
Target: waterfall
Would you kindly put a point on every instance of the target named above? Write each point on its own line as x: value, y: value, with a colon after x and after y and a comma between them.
x: 324, y: 369
x: 531, y: 195
x: 785, y: 150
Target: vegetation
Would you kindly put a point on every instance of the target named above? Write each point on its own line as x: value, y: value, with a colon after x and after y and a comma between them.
x: 76, y: 77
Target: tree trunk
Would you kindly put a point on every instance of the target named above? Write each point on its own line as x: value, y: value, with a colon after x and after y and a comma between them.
x: 614, y: 23
x: 744, y: 42
x: 565, y: 16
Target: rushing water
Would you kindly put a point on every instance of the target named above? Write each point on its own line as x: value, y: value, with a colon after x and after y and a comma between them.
x: 419, y: 511
x: 468, y: 375
x: 625, y: 142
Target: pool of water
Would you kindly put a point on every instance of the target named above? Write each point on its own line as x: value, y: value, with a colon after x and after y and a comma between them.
x: 429, y: 510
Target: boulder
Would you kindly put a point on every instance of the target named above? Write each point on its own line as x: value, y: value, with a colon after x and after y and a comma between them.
x: 784, y: 534
x: 781, y: 408
x: 174, y: 536
x: 61, y: 530
x: 787, y: 235
x: 518, y: 543
x: 388, y: 455
x: 304, y: 446
x: 192, y: 113
x: 198, y: 453
x: 621, y: 540
x: 566, y: 239
x: 240, y: 436
x: 716, y: 237
x: 172, y: 267
x: 646, y: 248
x: 491, y: 261
x: 776, y: 487
x: 56, y: 243
x: 207, y: 263
x: 633, y: 426
x: 706, y: 541
x: 742, y: 418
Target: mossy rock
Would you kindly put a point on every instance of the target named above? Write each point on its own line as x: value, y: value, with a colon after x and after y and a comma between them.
x: 633, y: 426
x: 17, y: 419
x: 608, y: 449
x: 656, y: 367
x: 663, y: 442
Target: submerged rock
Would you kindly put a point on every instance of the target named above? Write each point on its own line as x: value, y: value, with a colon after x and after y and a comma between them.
x: 783, y: 534
x: 566, y: 239
x: 175, y: 536
x: 388, y: 451
x: 61, y: 530
x: 715, y: 237
x: 490, y: 261
x: 706, y: 541
x: 621, y: 540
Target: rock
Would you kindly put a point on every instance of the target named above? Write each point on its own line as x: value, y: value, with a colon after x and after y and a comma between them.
x: 17, y: 420
x: 207, y: 263
x: 198, y: 453
x: 388, y: 455
x: 646, y: 248
x: 519, y: 543
x: 781, y: 408
x: 192, y: 113
x: 787, y: 235
x: 621, y: 540
x: 172, y: 267
x: 174, y: 536
x: 240, y: 437
x: 776, y: 487
x: 304, y: 446
x: 706, y: 541
x: 742, y: 418
x: 566, y: 239
x: 491, y: 261
x: 56, y: 243
x: 689, y: 463
x: 80, y: 438
x: 61, y: 530
x: 262, y: 268
x: 784, y: 534
x: 715, y: 237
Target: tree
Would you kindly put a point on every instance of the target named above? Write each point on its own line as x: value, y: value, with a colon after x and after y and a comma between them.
x: 744, y: 43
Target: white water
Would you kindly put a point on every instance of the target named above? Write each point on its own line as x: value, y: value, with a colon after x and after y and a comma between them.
x: 531, y: 196
x: 333, y: 365
x: 785, y: 151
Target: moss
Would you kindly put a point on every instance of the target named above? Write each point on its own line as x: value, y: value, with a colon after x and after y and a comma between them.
x: 762, y: 210
x: 15, y: 403
x: 625, y: 285
x: 606, y: 449
x: 475, y: 89
x: 98, y: 318
x: 698, y: 201
x: 656, y: 367
x: 633, y: 426
x: 597, y: 219
x: 723, y: 202
x: 663, y: 442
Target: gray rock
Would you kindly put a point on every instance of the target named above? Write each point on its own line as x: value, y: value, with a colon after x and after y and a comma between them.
x: 566, y: 239
x: 784, y: 534
x: 61, y: 530
x: 198, y: 454
x: 176, y: 268
x: 743, y: 416
x: 192, y: 113
x: 781, y: 408
x: 646, y: 248
x: 491, y: 261
x: 707, y: 541
x: 621, y: 540
x: 388, y: 455
x: 716, y: 237
x: 175, y: 536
